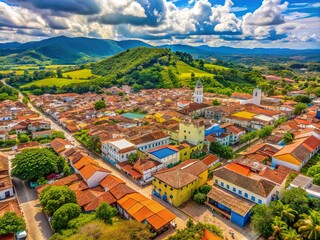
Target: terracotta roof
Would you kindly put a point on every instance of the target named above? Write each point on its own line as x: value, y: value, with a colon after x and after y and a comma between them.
x: 277, y: 175
x: 59, y: 144
x: 4, y: 162
x: 104, y: 197
x: 110, y: 182
x: 261, y: 187
x: 235, y: 203
x: 28, y: 145
x: 238, y: 169
x: 210, y: 159
x: 144, y: 164
x: 241, y: 95
x: 144, y: 209
x: 83, y: 161
x: 89, y: 169
x: 207, y: 235
x: 149, y: 137
x: 182, y: 174
x: 121, y: 190
x: 233, y: 129
x: 84, y: 197
x: 10, y: 206
x: 71, y: 179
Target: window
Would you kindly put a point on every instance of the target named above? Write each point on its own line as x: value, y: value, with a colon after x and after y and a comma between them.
x: 259, y: 201
x: 246, y: 195
x: 216, y: 181
x: 159, y: 182
x: 228, y: 187
x: 234, y: 189
x: 171, y: 189
x: 239, y: 191
x: 222, y: 184
x: 253, y: 198
x: 165, y: 185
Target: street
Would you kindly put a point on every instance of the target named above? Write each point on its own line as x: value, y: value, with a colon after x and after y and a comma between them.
x: 37, y: 224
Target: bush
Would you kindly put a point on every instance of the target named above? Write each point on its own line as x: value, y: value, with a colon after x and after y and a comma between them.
x: 106, y: 212
x: 200, y: 198
x: 64, y: 214
x: 205, y: 189
x: 10, y: 223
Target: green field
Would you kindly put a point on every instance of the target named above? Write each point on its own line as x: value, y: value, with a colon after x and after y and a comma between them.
x: 19, y: 69
x: 84, y: 73
x: 212, y: 66
x: 59, y: 82
x: 18, y: 72
x: 185, y: 71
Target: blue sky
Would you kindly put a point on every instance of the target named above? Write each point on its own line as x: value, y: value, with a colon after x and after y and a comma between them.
x: 236, y: 23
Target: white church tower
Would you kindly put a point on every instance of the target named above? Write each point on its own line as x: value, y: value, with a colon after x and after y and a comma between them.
x: 256, y: 96
x: 198, y: 92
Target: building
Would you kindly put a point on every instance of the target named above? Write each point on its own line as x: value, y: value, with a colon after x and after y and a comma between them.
x: 242, y: 182
x: 150, y: 141
x: 210, y: 160
x: 191, y: 131
x: 138, y: 207
x: 235, y: 133
x: 306, y: 183
x: 177, y: 184
x: 297, y: 154
x: 165, y: 155
x: 256, y: 96
x: 234, y: 208
x: 198, y: 92
x: 116, y: 151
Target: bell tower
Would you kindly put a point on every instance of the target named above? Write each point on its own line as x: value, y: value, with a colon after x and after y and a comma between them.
x: 198, y: 92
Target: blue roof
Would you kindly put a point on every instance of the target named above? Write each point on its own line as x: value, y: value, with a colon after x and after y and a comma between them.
x: 163, y: 152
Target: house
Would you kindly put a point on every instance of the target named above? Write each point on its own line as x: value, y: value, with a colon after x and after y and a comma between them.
x: 222, y: 138
x: 243, y: 98
x: 306, y: 183
x: 296, y: 154
x: 39, y: 125
x: 147, y: 167
x: 5, y: 116
x: 42, y: 134
x: 115, y: 151
x: 210, y: 160
x: 3, y: 135
x: 231, y: 206
x: 59, y: 145
x: 195, y: 109
x: 235, y: 133
x: 177, y: 184
x: 241, y: 181
x: 185, y: 150
x: 150, y: 141
x: 138, y: 207
x: 165, y: 155
x: 93, y: 174
x: 6, y: 187
x: 191, y: 131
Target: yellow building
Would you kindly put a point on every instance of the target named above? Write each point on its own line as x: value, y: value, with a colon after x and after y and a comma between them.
x: 192, y: 132
x: 185, y: 150
x: 167, y: 115
x: 176, y: 185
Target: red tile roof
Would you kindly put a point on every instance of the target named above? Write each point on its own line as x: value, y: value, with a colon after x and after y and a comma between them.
x: 209, y: 159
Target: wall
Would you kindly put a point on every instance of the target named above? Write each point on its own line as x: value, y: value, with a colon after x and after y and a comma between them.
x: 240, y: 220
x: 3, y: 193
x: 191, y: 133
x: 94, y: 180
x: 154, y: 144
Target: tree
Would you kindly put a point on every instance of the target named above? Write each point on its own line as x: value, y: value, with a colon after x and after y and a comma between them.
x: 99, y: 105
x: 200, y: 198
x: 265, y: 132
x: 288, y: 214
x: 57, y: 134
x: 222, y: 151
x: 23, y: 138
x: 316, y: 179
x: 302, y: 99
x: 216, y: 102
x: 59, y: 72
x: 288, y: 137
x: 280, y: 121
x: 31, y: 164
x: 63, y: 215
x: 262, y: 219
x: 25, y: 100
x: 299, y: 108
x: 132, y: 158
x: 278, y: 226
x: 10, y: 223
x: 297, y: 198
x: 53, y: 197
x: 190, y: 223
x: 106, y: 212
x: 290, y: 234
x: 309, y: 225
x: 314, y: 170
x: 205, y: 189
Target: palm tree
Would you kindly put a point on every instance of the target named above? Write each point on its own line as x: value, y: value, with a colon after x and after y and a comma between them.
x: 288, y: 214
x: 290, y: 234
x: 278, y: 226
x: 309, y: 225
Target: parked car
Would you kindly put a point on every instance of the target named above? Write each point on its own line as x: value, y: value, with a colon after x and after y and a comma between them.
x: 21, y: 235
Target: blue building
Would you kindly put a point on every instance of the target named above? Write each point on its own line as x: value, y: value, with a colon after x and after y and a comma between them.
x: 234, y: 208
x: 214, y: 129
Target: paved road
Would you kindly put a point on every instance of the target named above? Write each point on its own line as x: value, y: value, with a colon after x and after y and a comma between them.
x: 37, y: 223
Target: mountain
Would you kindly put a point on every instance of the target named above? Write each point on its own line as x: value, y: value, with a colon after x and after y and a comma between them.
x: 9, y: 45
x: 71, y: 50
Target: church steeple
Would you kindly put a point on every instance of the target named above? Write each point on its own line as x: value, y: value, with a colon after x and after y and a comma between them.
x: 198, y: 92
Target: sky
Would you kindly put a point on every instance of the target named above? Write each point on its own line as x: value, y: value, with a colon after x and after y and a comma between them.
x: 235, y: 23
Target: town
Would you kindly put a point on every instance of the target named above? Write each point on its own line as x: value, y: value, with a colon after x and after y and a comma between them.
x: 169, y: 158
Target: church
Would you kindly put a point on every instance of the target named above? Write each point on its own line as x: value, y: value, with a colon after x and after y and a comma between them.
x: 197, y: 107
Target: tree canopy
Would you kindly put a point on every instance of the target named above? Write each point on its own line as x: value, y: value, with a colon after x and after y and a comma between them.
x: 64, y: 214
x: 53, y: 197
x: 299, y: 108
x: 99, y: 105
x: 32, y: 164
x: 288, y: 137
x: 10, y: 222
x: 222, y: 151
x: 106, y: 212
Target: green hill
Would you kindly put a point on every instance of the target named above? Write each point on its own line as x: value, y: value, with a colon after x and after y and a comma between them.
x: 148, y: 68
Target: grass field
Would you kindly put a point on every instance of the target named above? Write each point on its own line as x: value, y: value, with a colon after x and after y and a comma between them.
x: 84, y: 73
x: 18, y: 72
x: 210, y: 66
x: 185, y: 71
x: 19, y: 69
x: 59, y: 82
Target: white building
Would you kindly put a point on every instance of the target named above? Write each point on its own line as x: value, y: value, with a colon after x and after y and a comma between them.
x: 256, y: 96
x: 6, y: 187
x: 150, y: 141
x: 115, y: 151
x: 306, y: 183
x: 198, y: 92
x: 165, y: 155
